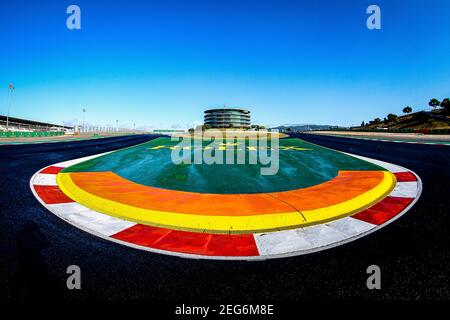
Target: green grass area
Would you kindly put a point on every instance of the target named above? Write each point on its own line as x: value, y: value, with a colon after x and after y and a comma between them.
x: 31, y: 134
x: 47, y: 140
x: 65, y: 139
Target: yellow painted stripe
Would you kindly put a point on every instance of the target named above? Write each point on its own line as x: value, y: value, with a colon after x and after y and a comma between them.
x: 180, y: 221
x: 225, y: 224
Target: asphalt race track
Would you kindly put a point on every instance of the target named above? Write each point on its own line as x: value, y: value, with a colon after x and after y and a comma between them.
x: 37, y: 247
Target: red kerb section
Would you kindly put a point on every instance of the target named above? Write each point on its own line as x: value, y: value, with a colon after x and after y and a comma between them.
x: 51, y: 170
x: 384, y: 210
x: 51, y: 194
x: 405, y: 176
x: 190, y: 242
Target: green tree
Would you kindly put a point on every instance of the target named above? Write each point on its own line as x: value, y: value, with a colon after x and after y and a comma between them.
x: 392, y: 117
x: 288, y: 129
x: 377, y: 120
x: 407, y: 109
x: 434, y: 103
x: 363, y: 124
x: 445, y: 104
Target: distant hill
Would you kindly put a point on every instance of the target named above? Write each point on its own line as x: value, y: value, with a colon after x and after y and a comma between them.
x: 437, y: 119
x: 305, y: 127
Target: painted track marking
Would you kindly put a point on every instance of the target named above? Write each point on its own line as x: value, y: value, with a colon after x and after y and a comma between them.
x: 247, y: 246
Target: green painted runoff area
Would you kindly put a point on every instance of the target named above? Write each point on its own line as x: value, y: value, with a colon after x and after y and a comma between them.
x: 301, y: 165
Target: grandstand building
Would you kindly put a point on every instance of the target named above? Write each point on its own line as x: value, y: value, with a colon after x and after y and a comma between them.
x: 227, y: 118
x: 23, y: 125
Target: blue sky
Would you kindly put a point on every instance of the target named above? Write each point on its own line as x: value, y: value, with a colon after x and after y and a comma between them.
x: 162, y: 63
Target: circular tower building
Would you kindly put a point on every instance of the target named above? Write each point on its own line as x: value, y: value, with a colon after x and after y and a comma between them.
x: 227, y: 118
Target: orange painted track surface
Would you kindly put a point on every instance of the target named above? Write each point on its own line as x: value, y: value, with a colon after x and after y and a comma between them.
x: 346, y: 186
